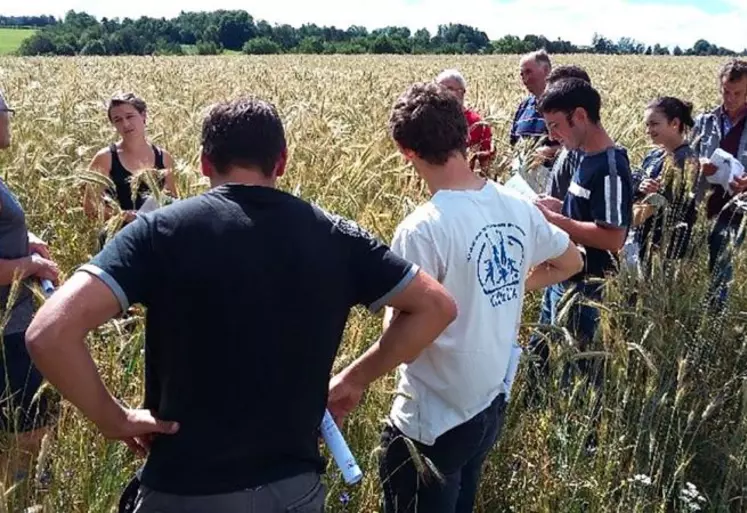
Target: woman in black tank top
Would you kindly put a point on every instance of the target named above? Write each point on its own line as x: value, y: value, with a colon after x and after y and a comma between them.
x: 125, y: 160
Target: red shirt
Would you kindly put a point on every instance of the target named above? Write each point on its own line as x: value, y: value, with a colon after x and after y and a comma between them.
x: 480, y: 136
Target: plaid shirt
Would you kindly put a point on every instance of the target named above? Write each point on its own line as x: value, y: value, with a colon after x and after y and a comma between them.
x: 707, y: 136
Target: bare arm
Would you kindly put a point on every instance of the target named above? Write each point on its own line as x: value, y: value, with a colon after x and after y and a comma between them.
x: 589, y: 234
x: 56, y: 343
x: 555, y: 270
x: 424, y: 310
x: 92, y: 199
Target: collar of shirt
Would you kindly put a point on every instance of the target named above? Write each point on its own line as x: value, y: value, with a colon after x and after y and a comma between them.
x: 726, y: 122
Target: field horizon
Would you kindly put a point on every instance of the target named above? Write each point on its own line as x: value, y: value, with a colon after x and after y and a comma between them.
x: 673, y: 431
x: 11, y: 38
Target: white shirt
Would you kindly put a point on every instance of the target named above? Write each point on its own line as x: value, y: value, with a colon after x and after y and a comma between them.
x: 480, y: 245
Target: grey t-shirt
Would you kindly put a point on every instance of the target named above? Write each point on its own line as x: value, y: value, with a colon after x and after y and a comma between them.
x: 14, y: 243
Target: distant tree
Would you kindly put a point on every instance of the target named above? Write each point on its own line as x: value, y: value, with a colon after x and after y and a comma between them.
x: 207, y: 48
x: 703, y: 47
x: 94, y: 47
x: 235, y: 28
x: 40, y: 43
x: 677, y: 51
x: 312, y: 44
x: 629, y: 46
x: 603, y: 45
x: 211, y: 32
x: 261, y: 46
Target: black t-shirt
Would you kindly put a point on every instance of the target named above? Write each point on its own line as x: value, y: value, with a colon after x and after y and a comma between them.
x: 248, y: 290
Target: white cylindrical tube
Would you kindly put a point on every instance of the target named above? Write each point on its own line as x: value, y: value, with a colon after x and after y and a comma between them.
x: 340, y: 451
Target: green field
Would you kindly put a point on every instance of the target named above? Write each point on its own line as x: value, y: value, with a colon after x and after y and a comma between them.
x: 10, y: 39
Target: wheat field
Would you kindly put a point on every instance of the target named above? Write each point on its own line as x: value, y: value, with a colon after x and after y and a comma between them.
x: 674, y: 418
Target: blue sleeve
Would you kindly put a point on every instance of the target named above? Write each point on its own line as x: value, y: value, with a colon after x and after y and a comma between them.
x: 611, y: 197
x: 126, y: 264
x: 513, y: 138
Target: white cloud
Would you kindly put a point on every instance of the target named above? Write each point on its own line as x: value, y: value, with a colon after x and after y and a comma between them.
x: 574, y: 20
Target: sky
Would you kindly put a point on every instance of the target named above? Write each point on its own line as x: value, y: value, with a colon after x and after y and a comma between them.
x: 668, y: 22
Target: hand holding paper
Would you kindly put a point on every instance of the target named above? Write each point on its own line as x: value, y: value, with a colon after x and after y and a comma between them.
x: 728, y: 170
x: 518, y: 184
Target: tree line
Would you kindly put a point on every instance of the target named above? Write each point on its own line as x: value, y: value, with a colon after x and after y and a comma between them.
x: 27, y: 21
x: 79, y: 33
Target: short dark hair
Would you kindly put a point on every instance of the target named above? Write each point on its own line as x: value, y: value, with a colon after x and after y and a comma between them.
x: 570, y: 94
x: 674, y: 108
x: 734, y: 70
x: 244, y: 132
x: 568, y: 71
x: 429, y: 120
x: 126, y: 99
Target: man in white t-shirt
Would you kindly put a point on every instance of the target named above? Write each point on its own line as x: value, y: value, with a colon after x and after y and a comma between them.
x: 487, y: 246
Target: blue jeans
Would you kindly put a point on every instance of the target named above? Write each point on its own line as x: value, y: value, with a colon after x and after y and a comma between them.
x: 458, y: 455
x: 581, y: 322
x: 723, y: 240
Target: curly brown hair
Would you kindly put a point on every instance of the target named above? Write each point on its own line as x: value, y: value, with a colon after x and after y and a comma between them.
x: 429, y: 120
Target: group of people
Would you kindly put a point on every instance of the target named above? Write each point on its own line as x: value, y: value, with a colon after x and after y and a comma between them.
x: 239, y: 353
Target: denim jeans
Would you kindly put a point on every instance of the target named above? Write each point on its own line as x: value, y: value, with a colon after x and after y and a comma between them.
x: 723, y: 240
x: 581, y: 322
x: 458, y: 455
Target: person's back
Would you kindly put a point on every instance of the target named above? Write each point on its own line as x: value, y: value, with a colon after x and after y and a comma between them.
x: 483, y: 244
x: 248, y: 290
x: 486, y: 246
x: 248, y: 294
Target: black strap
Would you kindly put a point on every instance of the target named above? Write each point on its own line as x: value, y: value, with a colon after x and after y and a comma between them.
x: 159, y: 157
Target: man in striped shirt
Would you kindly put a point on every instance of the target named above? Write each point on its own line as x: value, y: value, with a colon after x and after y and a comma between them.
x: 567, y: 160
x: 596, y: 211
x: 560, y: 179
x: 528, y: 123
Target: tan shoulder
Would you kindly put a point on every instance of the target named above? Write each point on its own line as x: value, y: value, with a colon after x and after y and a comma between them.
x: 102, y: 161
x: 168, y: 160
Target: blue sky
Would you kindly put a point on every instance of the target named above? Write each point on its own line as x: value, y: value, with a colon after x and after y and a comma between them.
x: 709, y: 6
x: 669, y: 22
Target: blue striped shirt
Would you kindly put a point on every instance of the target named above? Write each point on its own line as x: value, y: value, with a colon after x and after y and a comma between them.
x: 528, y: 122
x: 601, y: 192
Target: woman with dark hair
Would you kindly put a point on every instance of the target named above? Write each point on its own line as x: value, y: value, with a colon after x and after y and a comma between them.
x: 126, y: 159
x: 667, y: 121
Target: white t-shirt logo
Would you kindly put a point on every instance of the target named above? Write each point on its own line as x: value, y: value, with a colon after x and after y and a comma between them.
x: 498, y: 255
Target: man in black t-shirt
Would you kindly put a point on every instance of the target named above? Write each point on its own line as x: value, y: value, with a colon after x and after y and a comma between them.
x: 247, y: 290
